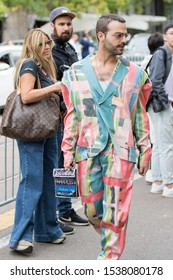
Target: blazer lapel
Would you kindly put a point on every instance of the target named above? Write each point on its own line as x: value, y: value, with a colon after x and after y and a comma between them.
x: 91, y: 76
x: 112, y: 88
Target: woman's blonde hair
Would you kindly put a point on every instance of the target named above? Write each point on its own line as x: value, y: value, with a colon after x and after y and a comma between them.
x: 33, y: 47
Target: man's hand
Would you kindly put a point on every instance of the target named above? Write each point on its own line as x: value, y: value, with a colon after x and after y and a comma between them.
x: 143, y: 168
x: 70, y: 166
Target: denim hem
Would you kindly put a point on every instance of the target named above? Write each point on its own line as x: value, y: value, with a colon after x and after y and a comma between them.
x: 48, y: 238
x: 14, y: 243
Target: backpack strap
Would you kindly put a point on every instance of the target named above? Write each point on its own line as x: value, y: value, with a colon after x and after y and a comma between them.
x: 148, y: 63
x: 165, y: 57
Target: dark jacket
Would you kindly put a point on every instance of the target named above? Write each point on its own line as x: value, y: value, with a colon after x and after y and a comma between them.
x: 64, y: 55
x: 159, y: 71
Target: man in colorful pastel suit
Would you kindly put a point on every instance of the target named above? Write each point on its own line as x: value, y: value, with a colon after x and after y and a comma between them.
x: 106, y: 121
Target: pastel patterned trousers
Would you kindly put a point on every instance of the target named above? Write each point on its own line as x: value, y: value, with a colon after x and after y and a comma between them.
x: 105, y: 187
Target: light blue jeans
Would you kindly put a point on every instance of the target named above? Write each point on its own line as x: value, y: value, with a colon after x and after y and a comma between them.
x: 162, y: 150
x: 35, y: 202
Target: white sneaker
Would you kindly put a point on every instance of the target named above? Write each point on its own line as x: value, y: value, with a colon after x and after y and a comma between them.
x: 59, y: 240
x: 156, y: 188
x: 167, y: 192
x: 148, y: 177
x: 23, y: 246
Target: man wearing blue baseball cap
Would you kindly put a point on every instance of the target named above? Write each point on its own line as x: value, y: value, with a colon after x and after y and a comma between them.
x: 64, y: 55
x: 60, y: 11
x: 63, y: 52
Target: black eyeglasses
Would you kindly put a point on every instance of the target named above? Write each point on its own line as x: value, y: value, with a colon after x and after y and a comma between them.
x: 120, y: 35
x: 49, y: 43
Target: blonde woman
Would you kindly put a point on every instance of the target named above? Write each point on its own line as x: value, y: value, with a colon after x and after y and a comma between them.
x: 35, y: 202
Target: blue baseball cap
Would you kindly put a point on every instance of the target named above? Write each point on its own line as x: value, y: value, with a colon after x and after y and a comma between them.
x: 61, y: 11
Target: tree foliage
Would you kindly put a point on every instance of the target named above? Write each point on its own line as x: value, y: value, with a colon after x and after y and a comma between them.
x: 3, y: 8
x: 43, y: 7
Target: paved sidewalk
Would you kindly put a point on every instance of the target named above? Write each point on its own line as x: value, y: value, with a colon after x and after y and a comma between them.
x: 149, y: 233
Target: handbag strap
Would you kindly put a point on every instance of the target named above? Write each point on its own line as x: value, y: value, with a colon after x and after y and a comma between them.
x: 19, y: 85
x: 38, y: 82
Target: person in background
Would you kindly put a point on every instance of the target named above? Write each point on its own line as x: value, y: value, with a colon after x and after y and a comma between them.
x: 64, y: 55
x: 35, y: 211
x: 106, y: 120
x: 74, y: 41
x: 87, y: 42
x: 155, y: 41
x: 161, y: 75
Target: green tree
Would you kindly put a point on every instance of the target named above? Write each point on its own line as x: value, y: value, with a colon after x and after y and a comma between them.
x: 3, y: 8
x: 43, y: 7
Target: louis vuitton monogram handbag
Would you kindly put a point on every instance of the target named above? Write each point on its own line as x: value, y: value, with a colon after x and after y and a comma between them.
x: 30, y: 122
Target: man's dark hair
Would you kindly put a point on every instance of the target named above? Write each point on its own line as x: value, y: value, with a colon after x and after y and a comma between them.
x: 103, y: 21
x: 168, y: 27
x: 155, y: 41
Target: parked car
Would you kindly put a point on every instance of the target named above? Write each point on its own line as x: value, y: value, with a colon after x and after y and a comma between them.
x: 137, y: 48
x: 8, y: 58
x: 12, y: 42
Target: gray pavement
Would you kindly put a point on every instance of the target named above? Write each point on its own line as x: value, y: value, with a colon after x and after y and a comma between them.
x: 149, y: 233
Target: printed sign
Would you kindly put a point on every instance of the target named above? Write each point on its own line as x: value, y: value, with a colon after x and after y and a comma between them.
x: 65, y: 183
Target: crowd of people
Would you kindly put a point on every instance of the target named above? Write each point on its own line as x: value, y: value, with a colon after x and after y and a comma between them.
x: 106, y: 108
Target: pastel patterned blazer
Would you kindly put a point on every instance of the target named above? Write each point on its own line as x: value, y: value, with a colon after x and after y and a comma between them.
x: 93, y: 116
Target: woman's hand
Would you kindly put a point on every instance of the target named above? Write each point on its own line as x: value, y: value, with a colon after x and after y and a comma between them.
x: 57, y: 86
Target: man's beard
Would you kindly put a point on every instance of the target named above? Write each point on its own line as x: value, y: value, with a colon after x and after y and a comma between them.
x: 65, y: 36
